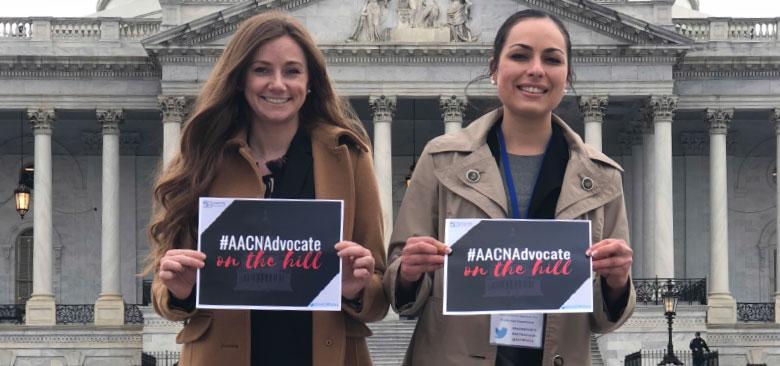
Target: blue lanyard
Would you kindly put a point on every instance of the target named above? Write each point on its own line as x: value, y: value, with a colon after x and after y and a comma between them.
x: 510, y: 183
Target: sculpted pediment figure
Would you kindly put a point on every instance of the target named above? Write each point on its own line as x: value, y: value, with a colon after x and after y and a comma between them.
x: 369, y: 25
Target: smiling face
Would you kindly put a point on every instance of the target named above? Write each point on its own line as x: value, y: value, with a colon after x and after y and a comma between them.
x: 276, y: 82
x: 531, y: 73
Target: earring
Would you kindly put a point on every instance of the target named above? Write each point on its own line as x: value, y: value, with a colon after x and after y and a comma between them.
x: 493, y: 81
x: 308, y: 91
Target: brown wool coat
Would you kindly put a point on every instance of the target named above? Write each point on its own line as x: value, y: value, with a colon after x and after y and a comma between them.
x: 440, y: 190
x: 342, y: 170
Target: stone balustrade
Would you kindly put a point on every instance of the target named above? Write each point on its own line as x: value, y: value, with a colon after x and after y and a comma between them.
x: 77, y: 29
x: 728, y: 29
x: 696, y: 29
x: 753, y: 29
x: 16, y: 28
x: 138, y: 28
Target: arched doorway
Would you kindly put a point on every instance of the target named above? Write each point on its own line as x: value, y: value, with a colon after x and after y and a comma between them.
x: 24, y: 267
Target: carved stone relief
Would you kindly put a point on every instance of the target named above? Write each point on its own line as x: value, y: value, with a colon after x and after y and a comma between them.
x: 418, y: 21
x: 369, y: 25
x: 458, y: 18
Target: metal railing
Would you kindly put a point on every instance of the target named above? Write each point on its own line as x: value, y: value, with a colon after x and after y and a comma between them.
x: 75, y: 314
x: 12, y: 314
x: 654, y: 357
x: 652, y: 290
x: 164, y: 358
x: 756, y: 311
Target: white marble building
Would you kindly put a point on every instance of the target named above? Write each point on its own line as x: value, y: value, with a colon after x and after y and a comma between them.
x: 689, y: 104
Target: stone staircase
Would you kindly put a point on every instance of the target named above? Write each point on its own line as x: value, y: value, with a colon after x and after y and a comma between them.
x: 391, y: 338
x: 595, y: 353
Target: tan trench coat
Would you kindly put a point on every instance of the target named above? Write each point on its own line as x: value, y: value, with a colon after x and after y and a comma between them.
x: 341, y: 171
x: 440, y: 190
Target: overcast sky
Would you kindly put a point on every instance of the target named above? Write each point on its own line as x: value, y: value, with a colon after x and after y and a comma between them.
x: 74, y: 8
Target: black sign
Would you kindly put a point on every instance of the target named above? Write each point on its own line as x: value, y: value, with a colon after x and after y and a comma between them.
x: 504, y: 266
x: 270, y: 254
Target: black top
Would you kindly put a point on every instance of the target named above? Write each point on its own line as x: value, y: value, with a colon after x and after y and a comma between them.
x: 280, y: 337
x: 285, y: 337
x: 543, y: 202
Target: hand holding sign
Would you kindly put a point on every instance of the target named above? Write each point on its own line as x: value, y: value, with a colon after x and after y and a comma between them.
x: 421, y: 254
x: 177, y: 270
x: 357, y: 267
x: 612, y: 260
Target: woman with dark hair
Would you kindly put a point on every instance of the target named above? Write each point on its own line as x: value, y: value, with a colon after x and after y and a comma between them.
x: 268, y: 124
x: 522, y: 154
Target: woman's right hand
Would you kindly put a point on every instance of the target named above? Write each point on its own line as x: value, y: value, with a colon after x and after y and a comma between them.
x: 421, y: 254
x: 177, y: 270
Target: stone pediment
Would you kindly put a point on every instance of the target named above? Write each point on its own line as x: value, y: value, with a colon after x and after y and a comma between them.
x: 596, y: 28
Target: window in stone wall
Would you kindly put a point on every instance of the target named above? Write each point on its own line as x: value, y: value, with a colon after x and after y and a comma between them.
x: 24, y: 266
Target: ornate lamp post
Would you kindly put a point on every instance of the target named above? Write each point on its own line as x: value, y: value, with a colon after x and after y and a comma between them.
x: 22, y: 192
x: 670, y: 303
x: 22, y: 196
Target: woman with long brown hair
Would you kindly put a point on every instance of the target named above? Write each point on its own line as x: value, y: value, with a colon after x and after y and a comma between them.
x: 269, y: 124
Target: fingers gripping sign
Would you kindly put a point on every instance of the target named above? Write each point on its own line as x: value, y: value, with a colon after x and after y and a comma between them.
x: 177, y: 270
x: 421, y: 254
x: 612, y: 260
x: 357, y: 268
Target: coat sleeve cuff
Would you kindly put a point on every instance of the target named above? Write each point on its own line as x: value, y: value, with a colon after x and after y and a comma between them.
x: 608, y: 317
x: 414, y: 304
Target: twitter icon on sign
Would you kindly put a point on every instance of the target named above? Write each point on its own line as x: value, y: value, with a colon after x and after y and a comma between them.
x: 501, y: 332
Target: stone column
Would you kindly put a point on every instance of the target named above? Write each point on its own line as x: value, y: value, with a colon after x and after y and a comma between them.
x: 776, y: 117
x: 174, y: 110
x: 109, y: 308
x: 637, y: 194
x: 382, y: 111
x: 648, y: 194
x: 40, y: 308
x: 452, y: 108
x: 722, y: 306
x: 663, y: 112
x: 592, y: 109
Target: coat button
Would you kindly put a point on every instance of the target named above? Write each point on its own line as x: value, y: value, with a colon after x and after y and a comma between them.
x: 473, y: 176
x: 328, y: 342
x: 558, y: 360
x: 587, y: 183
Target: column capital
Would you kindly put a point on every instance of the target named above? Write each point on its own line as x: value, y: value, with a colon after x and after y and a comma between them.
x: 452, y: 108
x: 42, y: 120
x: 644, y: 121
x: 382, y: 107
x: 110, y: 119
x: 174, y: 108
x: 663, y: 107
x: 718, y: 120
x: 775, y: 117
x: 592, y: 107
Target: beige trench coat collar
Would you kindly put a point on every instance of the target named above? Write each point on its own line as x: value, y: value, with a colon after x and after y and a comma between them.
x: 587, y: 182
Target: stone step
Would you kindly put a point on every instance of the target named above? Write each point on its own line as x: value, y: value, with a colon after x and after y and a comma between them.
x: 391, y: 338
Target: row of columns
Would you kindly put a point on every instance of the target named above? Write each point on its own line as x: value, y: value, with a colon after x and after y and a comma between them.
x: 109, y: 307
x: 652, y: 182
x: 652, y: 195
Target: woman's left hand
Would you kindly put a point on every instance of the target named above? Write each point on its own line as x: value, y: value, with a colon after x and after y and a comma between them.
x: 357, y: 268
x: 612, y: 260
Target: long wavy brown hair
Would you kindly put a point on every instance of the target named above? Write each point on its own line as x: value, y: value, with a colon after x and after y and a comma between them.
x: 220, y: 112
